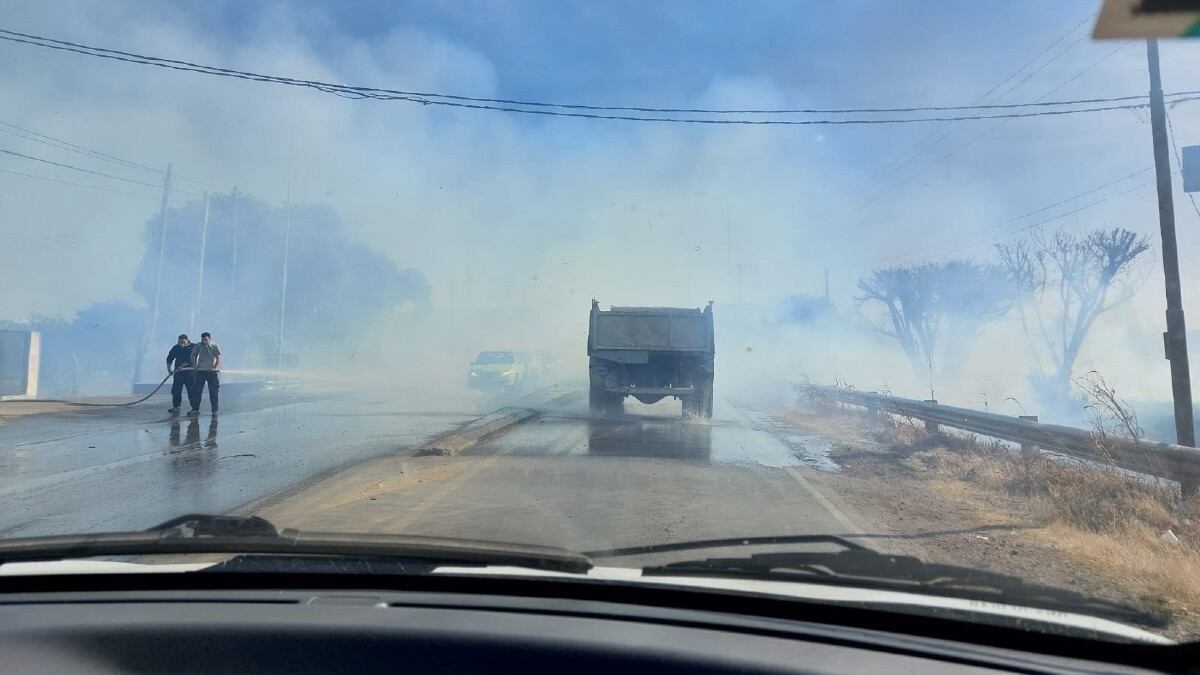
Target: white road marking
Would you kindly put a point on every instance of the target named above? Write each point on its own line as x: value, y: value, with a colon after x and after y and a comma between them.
x: 792, y: 471
x: 834, y: 511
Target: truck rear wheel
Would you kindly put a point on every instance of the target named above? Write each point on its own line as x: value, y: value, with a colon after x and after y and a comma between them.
x: 705, y: 402
x: 605, y: 404
x: 699, y: 403
x: 689, y: 405
x: 596, y: 401
x: 616, y: 404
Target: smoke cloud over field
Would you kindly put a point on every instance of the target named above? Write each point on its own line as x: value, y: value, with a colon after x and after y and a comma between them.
x: 421, y: 235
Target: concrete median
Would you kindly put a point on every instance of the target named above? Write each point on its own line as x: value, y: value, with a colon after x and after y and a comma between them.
x: 475, y: 431
x: 350, y: 478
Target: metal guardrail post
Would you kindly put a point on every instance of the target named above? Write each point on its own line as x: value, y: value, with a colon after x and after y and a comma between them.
x: 1029, y: 451
x: 931, y: 427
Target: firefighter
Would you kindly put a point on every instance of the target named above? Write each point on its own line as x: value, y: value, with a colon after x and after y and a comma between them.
x: 206, y: 364
x: 179, y: 364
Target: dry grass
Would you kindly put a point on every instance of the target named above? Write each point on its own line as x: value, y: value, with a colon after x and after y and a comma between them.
x: 1047, y: 519
x: 1162, y: 576
x: 1092, y: 499
x: 1106, y: 523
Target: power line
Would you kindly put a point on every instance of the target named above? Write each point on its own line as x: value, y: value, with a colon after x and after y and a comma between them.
x: 473, y: 103
x: 1039, y: 55
x: 81, y: 169
x: 931, y: 140
x: 62, y: 144
x: 67, y: 182
x: 977, y: 234
x: 1084, y: 207
x: 952, y: 129
x: 1045, y: 64
x: 989, y: 130
x: 1087, y: 70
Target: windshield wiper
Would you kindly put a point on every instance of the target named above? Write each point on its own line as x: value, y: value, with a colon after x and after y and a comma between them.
x: 701, y: 544
x: 201, y: 533
x: 860, y: 567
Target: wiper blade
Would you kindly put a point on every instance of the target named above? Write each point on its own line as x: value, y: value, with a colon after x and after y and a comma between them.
x: 864, y: 568
x: 201, y: 533
x: 208, y: 525
x: 727, y: 543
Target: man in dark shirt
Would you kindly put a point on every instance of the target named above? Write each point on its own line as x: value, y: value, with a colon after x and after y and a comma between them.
x: 179, y: 363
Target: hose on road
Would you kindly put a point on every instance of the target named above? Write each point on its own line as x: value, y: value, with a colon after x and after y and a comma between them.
x: 84, y: 404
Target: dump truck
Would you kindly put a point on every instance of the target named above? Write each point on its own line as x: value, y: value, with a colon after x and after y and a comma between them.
x: 650, y: 353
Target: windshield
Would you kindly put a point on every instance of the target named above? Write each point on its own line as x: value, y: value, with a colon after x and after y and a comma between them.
x: 908, y: 274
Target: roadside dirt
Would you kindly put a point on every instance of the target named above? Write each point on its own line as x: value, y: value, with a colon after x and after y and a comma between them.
x: 969, y: 502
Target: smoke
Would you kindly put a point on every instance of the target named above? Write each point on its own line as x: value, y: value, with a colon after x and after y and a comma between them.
x: 335, y: 288
x: 421, y: 236
x: 93, y: 353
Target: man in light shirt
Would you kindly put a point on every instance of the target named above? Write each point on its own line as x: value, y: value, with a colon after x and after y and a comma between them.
x: 206, y: 363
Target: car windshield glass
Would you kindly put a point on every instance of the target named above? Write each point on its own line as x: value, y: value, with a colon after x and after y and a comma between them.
x: 881, y: 295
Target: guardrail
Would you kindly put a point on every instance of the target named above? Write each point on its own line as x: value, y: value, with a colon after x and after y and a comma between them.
x: 1164, y: 460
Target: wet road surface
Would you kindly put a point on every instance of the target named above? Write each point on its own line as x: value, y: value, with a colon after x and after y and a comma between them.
x: 103, y: 469
x: 564, y: 479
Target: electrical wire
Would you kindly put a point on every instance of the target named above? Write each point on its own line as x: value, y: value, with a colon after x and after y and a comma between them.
x: 62, y: 144
x: 929, y: 141
x: 1037, y: 56
x: 882, y: 192
x: 571, y: 110
x: 89, y: 171
x: 77, y: 168
x: 988, y: 131
x: 1140, y: 186
x: 976, y: 234
x: 67, y: 182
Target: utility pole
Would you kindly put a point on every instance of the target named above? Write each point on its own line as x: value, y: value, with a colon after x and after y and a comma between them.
x: 233, y: 276
x: 200, y: 277
x: 1175, y: 339
x: 741, y: 269
x: 287, y: 233
x: 728, y: 248
x: 287, y: 238
x: 162, y: 253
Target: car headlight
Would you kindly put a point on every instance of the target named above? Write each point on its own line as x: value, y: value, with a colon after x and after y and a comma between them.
x: 474, y: 374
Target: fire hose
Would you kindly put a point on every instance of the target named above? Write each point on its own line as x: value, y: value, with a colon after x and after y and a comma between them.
x: 101, y: 405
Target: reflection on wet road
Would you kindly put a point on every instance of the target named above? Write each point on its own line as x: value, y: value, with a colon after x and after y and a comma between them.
x: 649, y: 437
x: 132, y: 468
x: 567, y: 479
x: 561, y: 478
x: 733, y: 436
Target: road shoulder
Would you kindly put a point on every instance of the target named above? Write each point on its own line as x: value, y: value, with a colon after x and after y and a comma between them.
x: 954, y: 506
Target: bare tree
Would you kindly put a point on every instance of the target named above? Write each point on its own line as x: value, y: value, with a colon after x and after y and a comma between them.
x: 929, y: 304
x: 1066, y: 282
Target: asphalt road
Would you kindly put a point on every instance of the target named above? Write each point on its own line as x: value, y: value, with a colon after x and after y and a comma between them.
x: 345, y: 463
x: 564, y: 479
x: 104, y: 469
